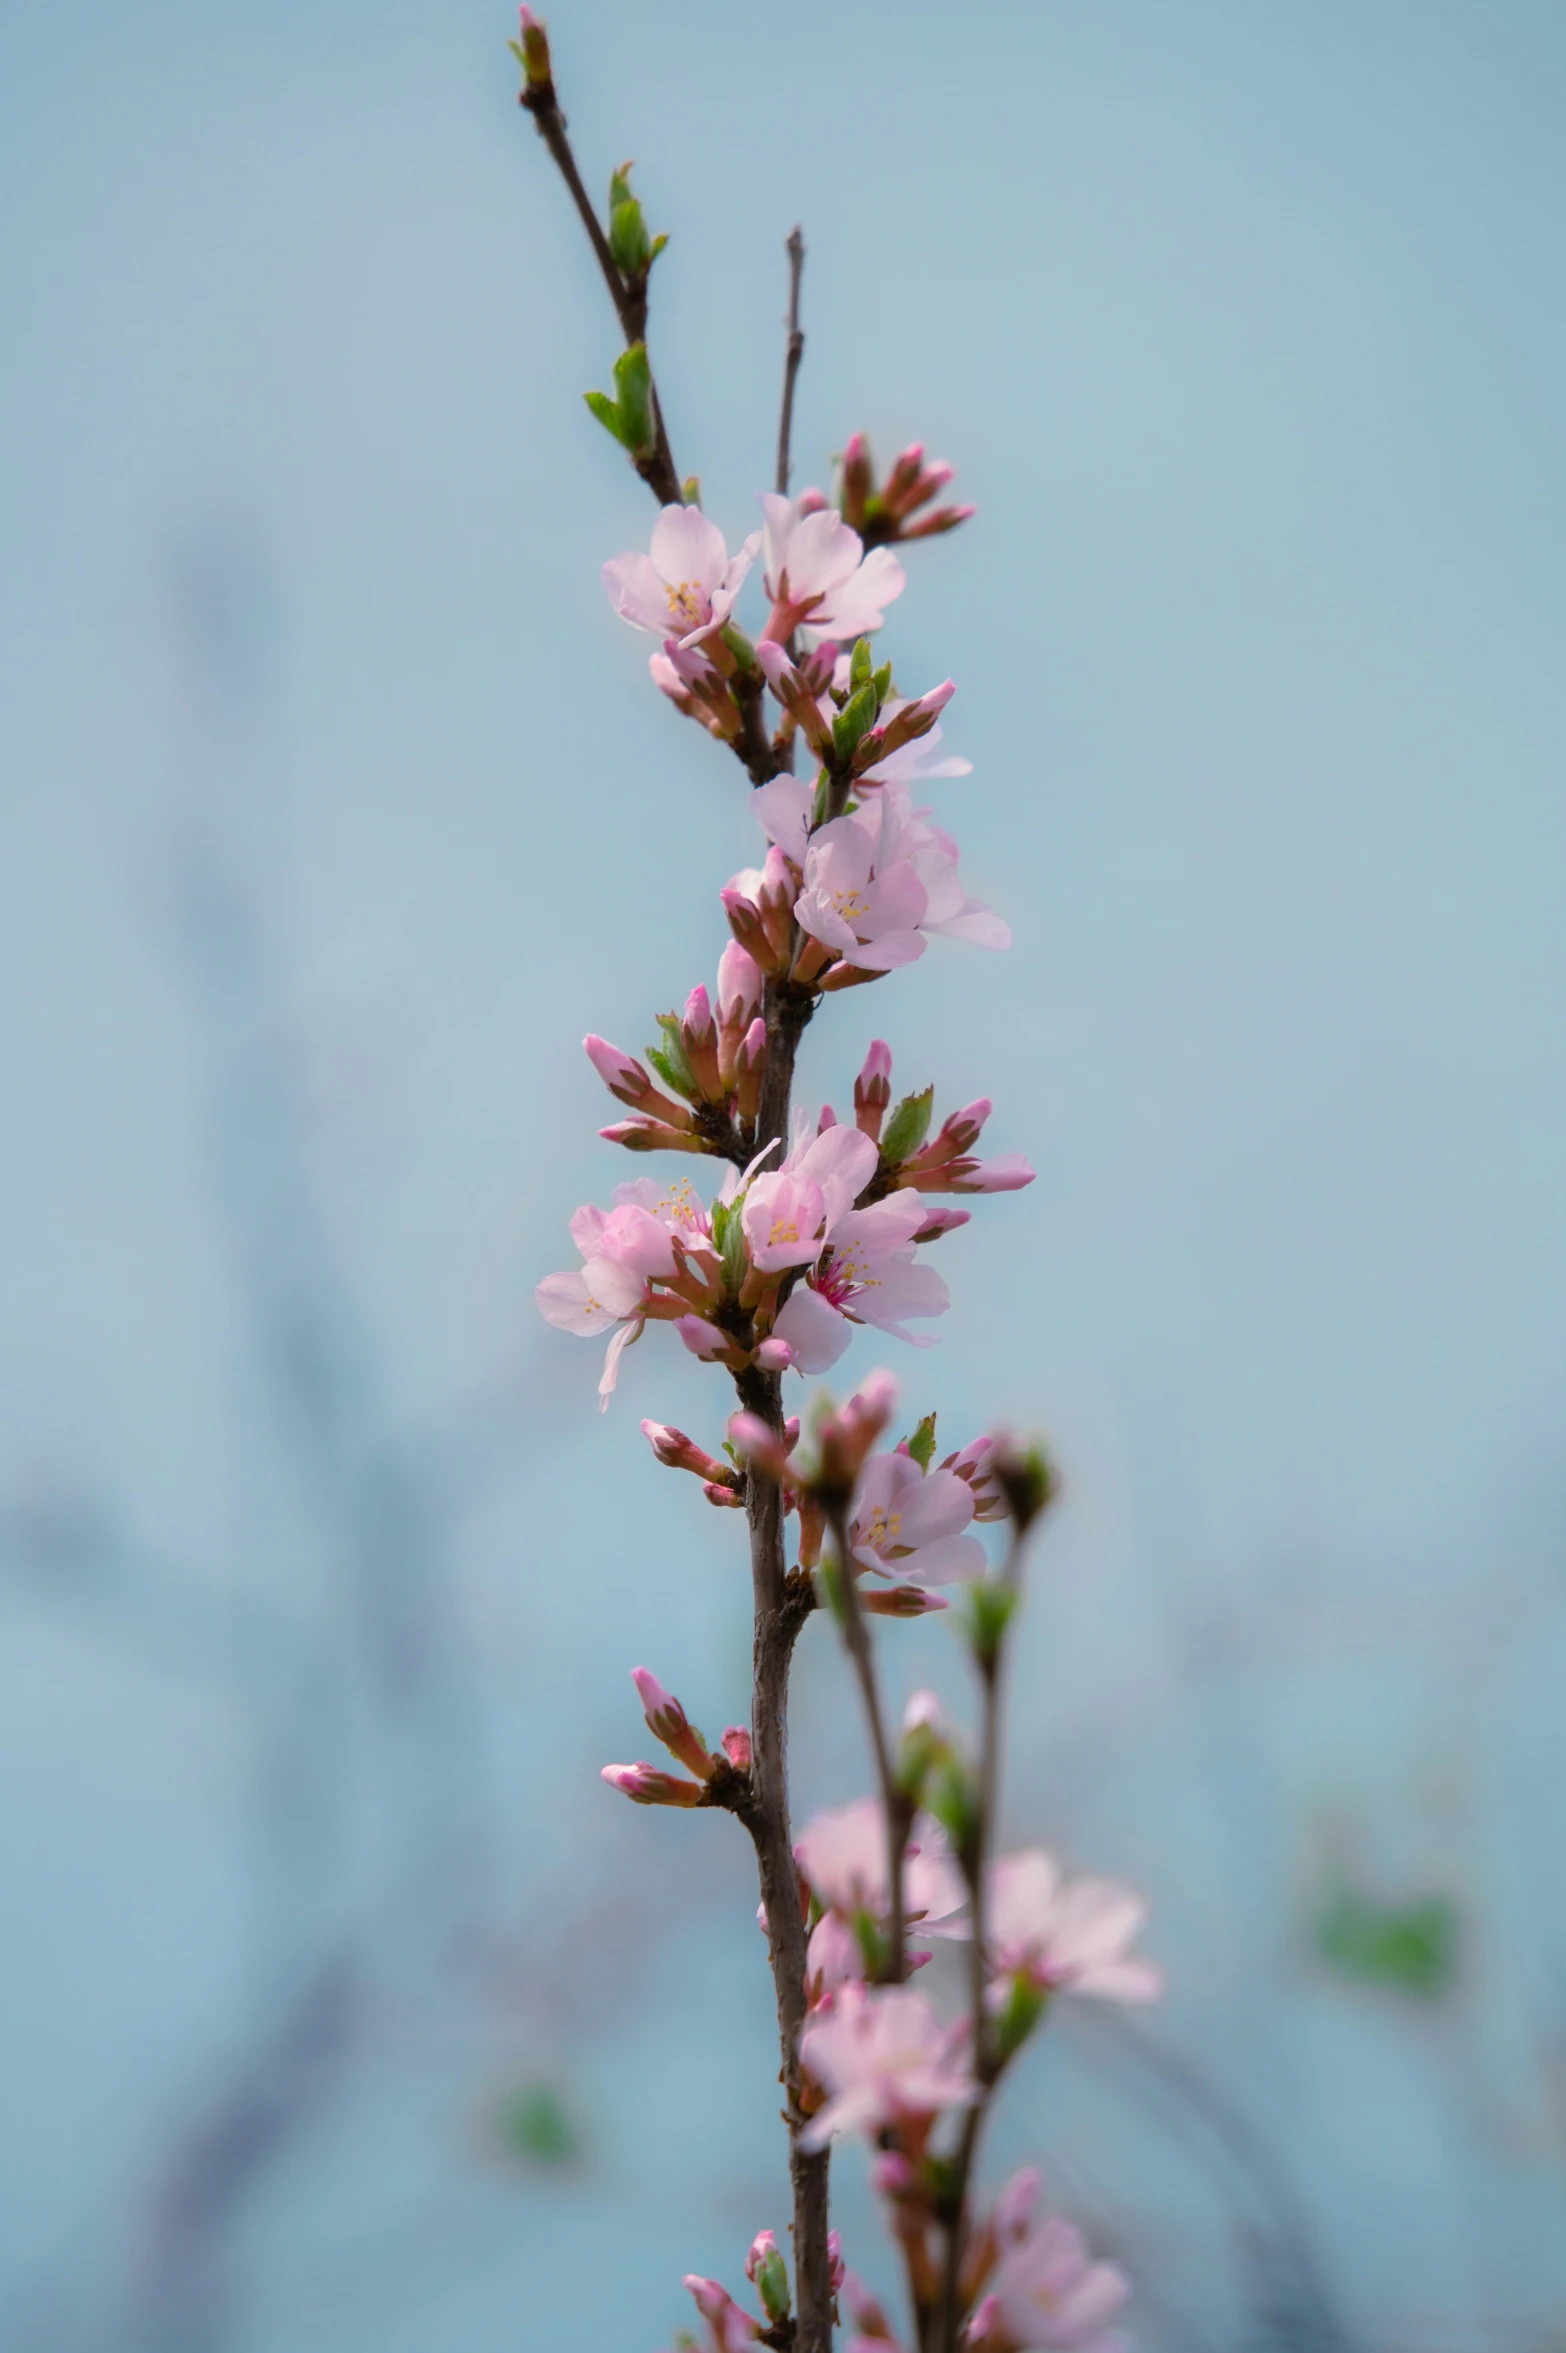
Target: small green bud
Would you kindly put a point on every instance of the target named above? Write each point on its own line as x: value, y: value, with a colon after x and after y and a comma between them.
x: 882, y: 682
x: 690, y: 488
x: 1027, y: 1479
x: 873, y: 1944
x: 739, y: 645
x: 628, y: 240
x: 1024, y: 2005
x: 855, y: 719
x: 952, y: 1796
x: 988, y: 1609
x: 922, y: 1444
x: 769, y: 2274
x: 907, y: 1128
x: 633, y: 383
x: 735, y: 1257
x: 919, y: 1752
x: 859, y: 664
x: 532, y: 52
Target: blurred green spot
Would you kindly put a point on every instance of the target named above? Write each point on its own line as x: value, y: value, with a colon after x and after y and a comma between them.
x: 1406, y: 1948
x: 534, y: 2126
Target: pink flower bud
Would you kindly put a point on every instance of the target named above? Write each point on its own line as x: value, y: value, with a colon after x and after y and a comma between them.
x: 645, y: 1785
x: 739, y: 983
x: 891, y: 2175
x: 774, y: 1355
x: 736, y: 1747
x: 873, y: 1090
x: 621, y: 1073
x: 651, y: 1135
x: 900, y: 1601
x: 679, y: 1453
x: 1017, y: 2205
x: 750, y: 1062
x: 624, y: 1076
x: 943, y: 519
x: 668, y: 1722
x: 726, y: 1497
x: 759, y: 1443
x: 699, y: 1037
x: 923, y: 1709
x: 942, y: 1221
x: 1007, y: 1172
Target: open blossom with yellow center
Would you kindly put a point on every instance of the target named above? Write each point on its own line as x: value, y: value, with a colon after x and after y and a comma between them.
x: 684, y: 588
x: 913, y: 1525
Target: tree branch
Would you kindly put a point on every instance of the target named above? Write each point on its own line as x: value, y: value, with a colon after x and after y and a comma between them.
x: 629, y: 296
x: 794, y: 352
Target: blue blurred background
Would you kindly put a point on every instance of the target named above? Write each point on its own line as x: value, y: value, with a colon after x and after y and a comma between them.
x: 342, y: 2008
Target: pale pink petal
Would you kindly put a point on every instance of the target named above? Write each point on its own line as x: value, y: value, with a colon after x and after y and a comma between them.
x: 815, y: 1332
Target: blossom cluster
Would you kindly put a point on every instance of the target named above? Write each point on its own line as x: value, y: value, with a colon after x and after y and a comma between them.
x: 820, y: 1227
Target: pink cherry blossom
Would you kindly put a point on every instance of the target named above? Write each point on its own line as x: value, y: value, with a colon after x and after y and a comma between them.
x: 867, y: 1276
x: 904, y: 836
x: 1047, y: 2295
x: 867, y: 909
x: 1067, y: 1935
x: 817, y: 573
x: 842, y: 1856
x: 653, y: 1233
x: 685, y: 587
x: 909, y: 1523
x: 882, y: 2056
x: 789, y: 1216
x: 975, y: 1463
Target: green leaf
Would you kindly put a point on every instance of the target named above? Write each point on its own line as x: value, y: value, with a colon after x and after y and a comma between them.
x: 1024, y: 2005
x: 988, y: 1608
x: 859, y: 664
x: 855, y: 719
x: 907, y: 1128
x: 882, y: 681
x: 658, y: 244
x: 1407, y: 1948
x: 736, y: 1259
x: 608, y: 414
x: 922, y: 1444
x: 952, y: 1796
x: 533, y: 2125
x: 674, y: 1060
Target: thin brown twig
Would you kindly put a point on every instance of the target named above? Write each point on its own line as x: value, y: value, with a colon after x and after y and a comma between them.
x: 629, y: 296
x: 987, y: 2062
x: 794, y: 352
x: 894, y: 1803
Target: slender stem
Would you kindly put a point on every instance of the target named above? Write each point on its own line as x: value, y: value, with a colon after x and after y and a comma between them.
x: 794, y: 352
x: 894, y: 1804
x: 776, y: 1624
x: 987, y: 2062
x: 629, y: 296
